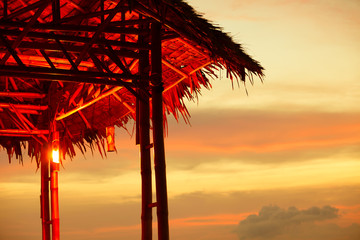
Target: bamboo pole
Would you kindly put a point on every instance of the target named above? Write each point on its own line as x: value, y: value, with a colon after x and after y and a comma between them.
x: 144, y: 127
x: 54, y: 168
x: 45, y: 211
x: 158, y: 132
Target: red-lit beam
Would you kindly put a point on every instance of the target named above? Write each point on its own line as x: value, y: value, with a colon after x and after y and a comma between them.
x: 23, y: 106
x: 26, y: 29
x: 55, y: 48
x: 77, y: 39
x: 22, y: 94
x: 85, y: 105
x: 73, y: 28
x: 23, y: 132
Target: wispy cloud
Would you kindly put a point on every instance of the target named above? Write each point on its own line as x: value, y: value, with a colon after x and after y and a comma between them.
x: 239, y: 134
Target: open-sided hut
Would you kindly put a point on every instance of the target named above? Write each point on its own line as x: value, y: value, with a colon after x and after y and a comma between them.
x: 70, y: 69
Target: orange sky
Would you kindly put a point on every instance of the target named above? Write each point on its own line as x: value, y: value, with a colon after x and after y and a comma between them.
x: 294, y: 141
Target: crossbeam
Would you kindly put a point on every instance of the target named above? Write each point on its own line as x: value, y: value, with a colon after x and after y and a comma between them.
x: 15, y: 132
x: 69, y: 75
x: 22, y: 94
x: 77, y: 39
x: 73, y: 28
x: 23, y: 106
x: 85, y: 105
x: 76, y: 49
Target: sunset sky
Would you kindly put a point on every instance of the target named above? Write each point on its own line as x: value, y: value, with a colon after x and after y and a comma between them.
x: 282, y: 162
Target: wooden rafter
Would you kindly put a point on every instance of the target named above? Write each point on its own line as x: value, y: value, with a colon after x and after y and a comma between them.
x: 71, y: 48
x: 24, y: 106
x: 74, y: 28
x: 183, y: 78
x: 5, y: 8
x: 85, y: 105
x: 4, y: 132
x: 29, y: 8
x: 69, y: 75
x: 76, y: 6
x: 77, y: 39
x: 98, y: 32
x: 66, y: 54
x: 27, y: 28
x: 22, y: 94
x: 10, y: 51
x: 26, y: 123
x: 56, y: 10
x: 110, y: 52
x: 169, y: 65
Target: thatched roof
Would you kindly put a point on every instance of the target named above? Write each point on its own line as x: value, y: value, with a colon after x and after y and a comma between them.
x: 77, y: 63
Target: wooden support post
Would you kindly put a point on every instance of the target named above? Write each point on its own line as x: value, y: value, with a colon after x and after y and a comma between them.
x: 158, y: 132
x: 45, y: 210
x: 54, y: 169
x: 144, y: 137
x: 56, y: 10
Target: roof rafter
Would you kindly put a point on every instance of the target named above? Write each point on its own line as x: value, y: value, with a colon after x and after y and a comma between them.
x: 20, y: 132
x: 183, y: 78
x: 70, y: 48
x: 77, y: 39
x: 98, y: 32
x: 27, y: 28
x: 28, y: 8
x: 74, y: 28
x: 85, y: 105
x: 22, y: 94
x: 69, y: 75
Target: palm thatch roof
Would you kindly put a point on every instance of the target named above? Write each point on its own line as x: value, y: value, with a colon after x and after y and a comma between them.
x: 76, y: 63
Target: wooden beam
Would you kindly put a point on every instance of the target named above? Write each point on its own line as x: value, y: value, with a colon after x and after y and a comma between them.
x: 5, y: 9
x: 110, y: 52
x: 74, y: 28
x: 43, y: 53
x: 10, y: 51
x: 85, y: 16
x: 169, y: 65
x: 143, y: 109
x: 56, y: 10
x: 44, y: 197
x: 98, y: 32
x: 76, y: 39
x: 25, y: 122
x: 80, y: 9
x: 27, y: 29
x: 158, y: 132
x: 184, y: 77
x: 24, y: 132
x: 69, y: 75
x: 22, y: 94
x: 30, y: 7
x: 24, y: 106
x: 74, y: 65
x: 85, y: 105
x: 55, y: 48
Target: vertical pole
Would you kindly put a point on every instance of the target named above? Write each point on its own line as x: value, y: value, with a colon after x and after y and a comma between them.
x: 56, y: 10
x: 144, y: 127
x: 54, y: 169
x: 45, y: 210
x: 5, y: 8
x: 158, y: 132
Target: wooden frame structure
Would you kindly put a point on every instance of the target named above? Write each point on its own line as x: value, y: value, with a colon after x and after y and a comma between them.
x: 79, y: 66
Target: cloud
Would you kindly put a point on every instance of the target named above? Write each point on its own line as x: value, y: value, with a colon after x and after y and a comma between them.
x: 262, y: 137
x: 275, y: 223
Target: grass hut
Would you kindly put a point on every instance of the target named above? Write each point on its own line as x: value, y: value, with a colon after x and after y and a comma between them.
x: 71, y: 70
